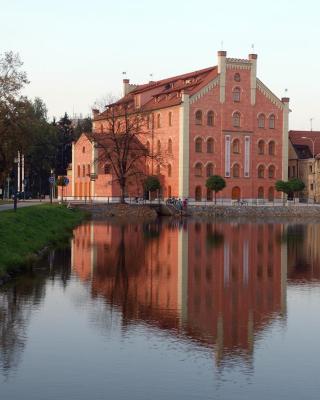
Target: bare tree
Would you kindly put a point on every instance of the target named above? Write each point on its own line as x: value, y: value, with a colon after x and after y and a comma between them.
x: 122, y: 144
x: 102, y: 102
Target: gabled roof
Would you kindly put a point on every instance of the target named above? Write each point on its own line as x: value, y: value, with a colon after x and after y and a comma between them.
x: 166, y: 92
x: 303, y: 141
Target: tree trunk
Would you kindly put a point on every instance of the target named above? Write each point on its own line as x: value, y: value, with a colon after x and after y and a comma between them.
x: 122, y: 197
x: 215, y: 197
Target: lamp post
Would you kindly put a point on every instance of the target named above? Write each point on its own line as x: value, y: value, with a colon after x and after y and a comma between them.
x: 314, y: 167
x: 15, y: 187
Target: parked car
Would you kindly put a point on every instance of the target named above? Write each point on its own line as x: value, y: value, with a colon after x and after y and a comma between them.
x: 24, y: 195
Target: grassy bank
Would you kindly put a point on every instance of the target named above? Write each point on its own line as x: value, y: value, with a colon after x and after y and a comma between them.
x: 30, y: 229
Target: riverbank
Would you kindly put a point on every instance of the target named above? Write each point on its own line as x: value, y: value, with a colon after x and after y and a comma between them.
x: 25, y: 233
x: 119, y: 211
x: 292, y: 211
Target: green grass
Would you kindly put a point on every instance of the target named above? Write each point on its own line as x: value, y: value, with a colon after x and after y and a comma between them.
x: 30, y: 229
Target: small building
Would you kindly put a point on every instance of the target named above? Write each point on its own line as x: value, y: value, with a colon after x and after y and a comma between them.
x: 304, y: 162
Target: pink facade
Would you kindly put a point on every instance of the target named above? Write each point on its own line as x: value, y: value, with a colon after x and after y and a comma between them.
x: 220, y: 120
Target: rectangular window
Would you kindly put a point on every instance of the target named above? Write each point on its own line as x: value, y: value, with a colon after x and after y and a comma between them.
x: 293, y: 171
x: 310, y: 169
x: 311, y: 186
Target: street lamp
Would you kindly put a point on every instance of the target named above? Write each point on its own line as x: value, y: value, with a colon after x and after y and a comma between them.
x: 16, y: 162
x: 314, y: 166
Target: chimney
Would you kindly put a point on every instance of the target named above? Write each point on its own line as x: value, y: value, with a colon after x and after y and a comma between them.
x: 222, y: 69
x: 221, y: 60
x: 125, y: 88
x: 253, y: 77
x: 95, y: 113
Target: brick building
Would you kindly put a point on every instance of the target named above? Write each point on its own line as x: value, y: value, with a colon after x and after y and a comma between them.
x: 221, y: 120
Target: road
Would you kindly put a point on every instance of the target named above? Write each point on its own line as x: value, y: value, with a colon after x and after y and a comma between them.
x: 27, y: 203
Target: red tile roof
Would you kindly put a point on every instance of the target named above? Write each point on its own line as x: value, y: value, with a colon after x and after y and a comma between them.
x: 296, y: 138
x: 167, y: 92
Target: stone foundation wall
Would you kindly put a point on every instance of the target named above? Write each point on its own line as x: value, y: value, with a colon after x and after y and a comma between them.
x: 256, y: 212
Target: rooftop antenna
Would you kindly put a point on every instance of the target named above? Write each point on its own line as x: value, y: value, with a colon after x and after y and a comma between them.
x: 311, y: 120
x: 285, y: 92
x: 150, y: 76
x: 124, y: 74
x: 252, y: 47
x: 221, y: 44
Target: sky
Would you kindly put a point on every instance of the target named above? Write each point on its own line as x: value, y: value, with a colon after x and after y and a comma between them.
x: 75, y: 51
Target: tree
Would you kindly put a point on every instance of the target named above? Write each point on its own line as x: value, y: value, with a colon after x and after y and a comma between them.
x: 61, y: 181
x: 284, y: 187
x: 151, y: 184
x: 120, y: 143
x: 215, y: 183
x: 296, y: 185
x: 65, y: 139
x: 13, y: 109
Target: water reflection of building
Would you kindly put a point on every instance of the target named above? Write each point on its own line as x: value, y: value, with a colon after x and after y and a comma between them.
x: 218, y: 283
x: 303, y: 253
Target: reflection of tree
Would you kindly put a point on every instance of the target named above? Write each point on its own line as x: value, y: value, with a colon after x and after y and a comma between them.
x: 16, y: 305
x: 19, y: 299
x: 214, y: 237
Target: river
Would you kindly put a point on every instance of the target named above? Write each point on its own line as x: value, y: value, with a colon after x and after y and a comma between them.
x: 167, y: 310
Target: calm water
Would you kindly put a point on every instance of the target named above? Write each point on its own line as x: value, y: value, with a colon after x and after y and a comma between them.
x: 167, y: 311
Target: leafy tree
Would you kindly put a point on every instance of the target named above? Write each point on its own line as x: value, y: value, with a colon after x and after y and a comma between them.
x: 65, y: 139
x: 284, y: 187
x: 151, y: 184
x: 215, y: 183
x: 296, y: 185
x: 13, y: 109
x: 83, y: 126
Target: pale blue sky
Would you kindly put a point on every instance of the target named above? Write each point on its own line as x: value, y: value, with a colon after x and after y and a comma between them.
x: 75, y: 51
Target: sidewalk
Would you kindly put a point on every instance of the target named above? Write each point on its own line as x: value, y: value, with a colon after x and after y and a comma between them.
x: 23, y: 203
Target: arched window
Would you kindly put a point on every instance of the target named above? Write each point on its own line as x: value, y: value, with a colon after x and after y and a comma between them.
x: 236, y: 171
x: 169, y: 170
x: 89, y: 169
x: 261, y: 121
x: 236, y: 120
x: 210, y: 118
x: 272, y: 121
x: 271, y: 171
x: 272, y: 147
x: 158, y: 169
x: 83, y: 149
x: 170, y: 118
x: 236, y: 94
x: 101, y: 128
x: 198, y: 169
x: 198, y: 145
x: 83, y: 170
x: 236, y: 146
x: 237, y: 77
x: 198, y: 193
x: 159, y: 146
x: 79, y: 173
x: 261, y: 147
x: 260, y: 192
x: 169, y: 191
x: 170, y: 146
x: 210, y: 144
x: 148, y: 146
x: 209, y: 169
x: 107, y: 169
x: 261, y: 171
x: 199, y: 117
x: 158, y: 121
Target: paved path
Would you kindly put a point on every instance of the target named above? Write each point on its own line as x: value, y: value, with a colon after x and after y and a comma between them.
x: 27, y: 203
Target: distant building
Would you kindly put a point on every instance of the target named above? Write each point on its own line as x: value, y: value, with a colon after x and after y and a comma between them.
x: 221, y: 120
x: 304, y: 162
